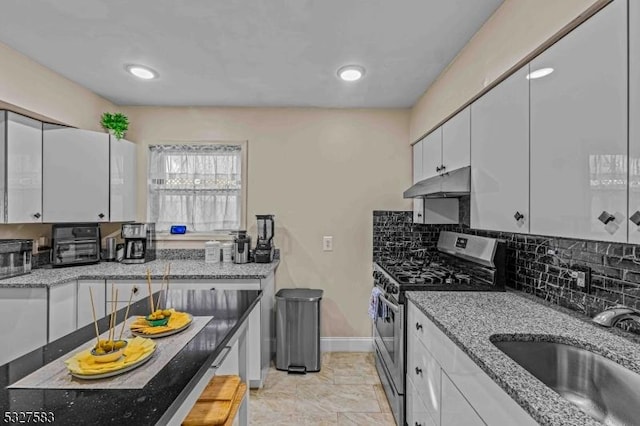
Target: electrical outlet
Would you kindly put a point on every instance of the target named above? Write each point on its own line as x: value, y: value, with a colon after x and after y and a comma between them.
x: 582, y: 275
x: 327, y: 243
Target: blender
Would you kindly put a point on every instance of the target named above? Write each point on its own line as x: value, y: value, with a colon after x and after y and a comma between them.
x: 264, y: 246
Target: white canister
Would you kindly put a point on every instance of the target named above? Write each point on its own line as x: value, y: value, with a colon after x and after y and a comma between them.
x: 227, y: 251
x: 212, y: 252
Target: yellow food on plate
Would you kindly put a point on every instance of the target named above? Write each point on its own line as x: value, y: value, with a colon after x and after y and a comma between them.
x: 84, y: 363
x: 176, y: 320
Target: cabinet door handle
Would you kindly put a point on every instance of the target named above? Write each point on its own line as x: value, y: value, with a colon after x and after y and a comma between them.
x: 101, y: 215
x: 443, y: 168
x: 438, y: 169
x: 418, y: 371
x: 134, y: 290
x: 418, y: 326
x: 635, y: 218
x: 606, y: 217
x: 518, y: 216
x: 212, y: 289
x: 37, y: 215
x: 419, y: 214
x: 418, y: 424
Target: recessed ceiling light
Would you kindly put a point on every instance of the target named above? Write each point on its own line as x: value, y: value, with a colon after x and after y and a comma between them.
x: 351, y: 72
x: 542, y: 72
x: 142, y: 72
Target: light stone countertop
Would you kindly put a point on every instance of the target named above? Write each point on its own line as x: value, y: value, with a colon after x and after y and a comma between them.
x: 180, y: 270
x: 471, y: 320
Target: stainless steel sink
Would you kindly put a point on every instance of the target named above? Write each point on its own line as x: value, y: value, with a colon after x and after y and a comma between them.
x: 600, y: 387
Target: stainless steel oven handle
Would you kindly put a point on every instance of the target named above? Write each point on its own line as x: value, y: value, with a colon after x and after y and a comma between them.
x: 391, y: 305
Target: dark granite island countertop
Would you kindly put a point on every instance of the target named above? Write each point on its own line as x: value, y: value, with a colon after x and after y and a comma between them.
x: 162, y: 395
x: 180, y: 270
x: 473, y: 320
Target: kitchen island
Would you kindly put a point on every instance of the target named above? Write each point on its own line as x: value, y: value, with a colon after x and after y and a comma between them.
x: 166, y: 396
x: 47, y: 304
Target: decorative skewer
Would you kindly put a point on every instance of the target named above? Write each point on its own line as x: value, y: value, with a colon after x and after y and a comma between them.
x: 126, y: 315
x: 95, y: 320
x: 160, y: 294
x: 168, y: 275
x: 112, y: 328
x: 149, y: 287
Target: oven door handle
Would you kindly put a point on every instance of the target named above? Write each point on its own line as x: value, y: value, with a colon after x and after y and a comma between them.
x: 391, y: 305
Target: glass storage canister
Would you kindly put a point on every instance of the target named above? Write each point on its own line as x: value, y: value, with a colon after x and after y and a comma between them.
x: 212, y: 252
x: 227, y: 252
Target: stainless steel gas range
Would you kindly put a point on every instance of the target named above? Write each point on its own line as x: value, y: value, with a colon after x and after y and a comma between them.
x: 462, y: 263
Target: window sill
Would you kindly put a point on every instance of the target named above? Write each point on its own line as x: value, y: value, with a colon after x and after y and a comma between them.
x: 194, y: 237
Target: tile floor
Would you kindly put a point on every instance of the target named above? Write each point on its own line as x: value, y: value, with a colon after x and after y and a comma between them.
x: 346, y: 391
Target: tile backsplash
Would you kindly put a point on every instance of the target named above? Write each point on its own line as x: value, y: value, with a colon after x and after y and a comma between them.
x: 539, y: 265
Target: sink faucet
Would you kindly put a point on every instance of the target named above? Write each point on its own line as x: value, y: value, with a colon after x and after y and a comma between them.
x: 612, y: 316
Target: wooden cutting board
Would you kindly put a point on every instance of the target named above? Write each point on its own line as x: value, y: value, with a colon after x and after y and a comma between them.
x: 221, y: 388
x: 217, y: 403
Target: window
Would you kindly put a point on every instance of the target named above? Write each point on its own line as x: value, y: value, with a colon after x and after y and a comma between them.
x: 198, y: 185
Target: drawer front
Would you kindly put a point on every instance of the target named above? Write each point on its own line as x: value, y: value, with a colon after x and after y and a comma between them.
x: 416, y: 324
x: 417, y: 414
x: 424, y: 371
x: 139, y: 288
x: 456, y: 410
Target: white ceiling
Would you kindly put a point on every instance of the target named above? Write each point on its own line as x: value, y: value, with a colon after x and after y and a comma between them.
x: 246, y: 52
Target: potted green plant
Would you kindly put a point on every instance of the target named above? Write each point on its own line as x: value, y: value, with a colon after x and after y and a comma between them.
x: 115, y: 123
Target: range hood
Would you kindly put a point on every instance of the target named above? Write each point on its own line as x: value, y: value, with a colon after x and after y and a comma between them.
x: 453, y: 184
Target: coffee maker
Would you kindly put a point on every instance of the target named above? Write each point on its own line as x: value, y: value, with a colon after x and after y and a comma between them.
x: 264, y: 245
x: 241, y: 247
x: 139, y: 242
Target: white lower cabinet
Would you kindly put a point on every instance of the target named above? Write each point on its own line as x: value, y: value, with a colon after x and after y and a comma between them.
x: 24, y: 321
x: 417, y: 414
x: 451, y: 388
x: 424, y: 372
x: 261, y: 333
x: 137, y: 290
x: 456, y: 410
x: 84, y: 313
x: 62, y: 310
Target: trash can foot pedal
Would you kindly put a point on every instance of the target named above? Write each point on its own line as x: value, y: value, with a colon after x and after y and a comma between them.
x: 297, y: 370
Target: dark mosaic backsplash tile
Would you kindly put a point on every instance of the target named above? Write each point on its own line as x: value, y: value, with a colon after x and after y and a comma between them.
x: 395, y: 236
x: 538, y: 265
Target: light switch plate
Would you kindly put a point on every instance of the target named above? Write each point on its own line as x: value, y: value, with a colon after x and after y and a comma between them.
x: 327, y: 243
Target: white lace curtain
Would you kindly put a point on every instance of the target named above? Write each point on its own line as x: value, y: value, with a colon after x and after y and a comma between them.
x: 195, y: 185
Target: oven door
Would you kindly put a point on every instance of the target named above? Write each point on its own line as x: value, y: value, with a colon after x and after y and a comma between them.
x: 71, y: 252
x: 389, y: 339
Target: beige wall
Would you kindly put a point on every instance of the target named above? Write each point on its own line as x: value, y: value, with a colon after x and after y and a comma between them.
x: 321, y: 172
x: 30, y: 88
x: 515, y: 30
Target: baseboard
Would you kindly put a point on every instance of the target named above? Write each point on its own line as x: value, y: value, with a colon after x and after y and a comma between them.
x: 346, y: 344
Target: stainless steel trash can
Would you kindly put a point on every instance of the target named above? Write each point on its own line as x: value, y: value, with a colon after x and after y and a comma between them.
x: 298, y: 330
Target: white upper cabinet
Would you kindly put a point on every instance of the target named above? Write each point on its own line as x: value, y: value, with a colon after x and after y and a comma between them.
x: 76, y: 175
x: 432, y: 153
x: 23, y: 169
x: 417, y: 162
x: 500, y: 157
x: 634, y: 124
x: 579, y: 132
x: 456, y: 141
x: 123, y: 180
x: 418, y: 203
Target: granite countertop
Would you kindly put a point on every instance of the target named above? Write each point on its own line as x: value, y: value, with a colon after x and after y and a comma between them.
x: 158, y: 400
x: 180, y: 270
x: 471, y: 320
